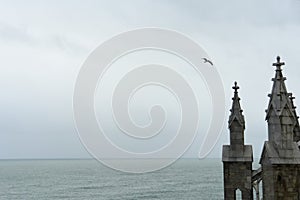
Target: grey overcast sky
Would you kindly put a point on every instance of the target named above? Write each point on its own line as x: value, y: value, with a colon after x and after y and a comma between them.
x: 43, y: 44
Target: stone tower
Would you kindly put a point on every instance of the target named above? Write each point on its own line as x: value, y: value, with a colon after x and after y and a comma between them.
x: 280, y: 159
x: 237, y: 158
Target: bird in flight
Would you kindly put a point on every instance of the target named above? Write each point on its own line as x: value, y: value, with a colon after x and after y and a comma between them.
x: 207, y: 61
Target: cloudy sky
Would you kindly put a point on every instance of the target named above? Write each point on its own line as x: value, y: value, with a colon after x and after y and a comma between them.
x: 44, y: 43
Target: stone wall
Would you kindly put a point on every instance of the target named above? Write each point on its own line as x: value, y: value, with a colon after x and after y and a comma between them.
x: 281, y: 182
x: 237, y: 175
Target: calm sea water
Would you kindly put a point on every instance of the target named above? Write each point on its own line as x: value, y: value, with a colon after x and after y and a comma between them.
x: 88, y: 179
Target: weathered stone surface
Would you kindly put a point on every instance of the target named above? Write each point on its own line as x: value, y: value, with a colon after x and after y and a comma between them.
x: 280, y: 158
x: 281, y: 181
x: 237, y: 158
x: 244, y: 154
x: 274, y: 155
x: 237, y: 175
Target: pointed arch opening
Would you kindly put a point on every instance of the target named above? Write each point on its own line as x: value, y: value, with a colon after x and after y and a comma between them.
x: 238, y: 194
x: 257, y: 190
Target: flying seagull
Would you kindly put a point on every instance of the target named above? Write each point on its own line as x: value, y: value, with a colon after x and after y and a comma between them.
x: 207, y: 61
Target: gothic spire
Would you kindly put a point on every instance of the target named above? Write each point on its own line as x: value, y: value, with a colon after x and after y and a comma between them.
x: 279, y: 97
x: 236, y: 111
x: 281, y: 115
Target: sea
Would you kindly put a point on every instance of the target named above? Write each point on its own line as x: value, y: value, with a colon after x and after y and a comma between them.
x: 89, y: 179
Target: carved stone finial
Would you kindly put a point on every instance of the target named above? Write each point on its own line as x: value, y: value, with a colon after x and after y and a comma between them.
x: 278, y: 59
x: 235, y: 87
x: 278, y: 64
x: 291, y: 96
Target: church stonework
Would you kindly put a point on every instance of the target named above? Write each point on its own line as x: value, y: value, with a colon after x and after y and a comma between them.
x: 280, y: 158
x: 237, y: 157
